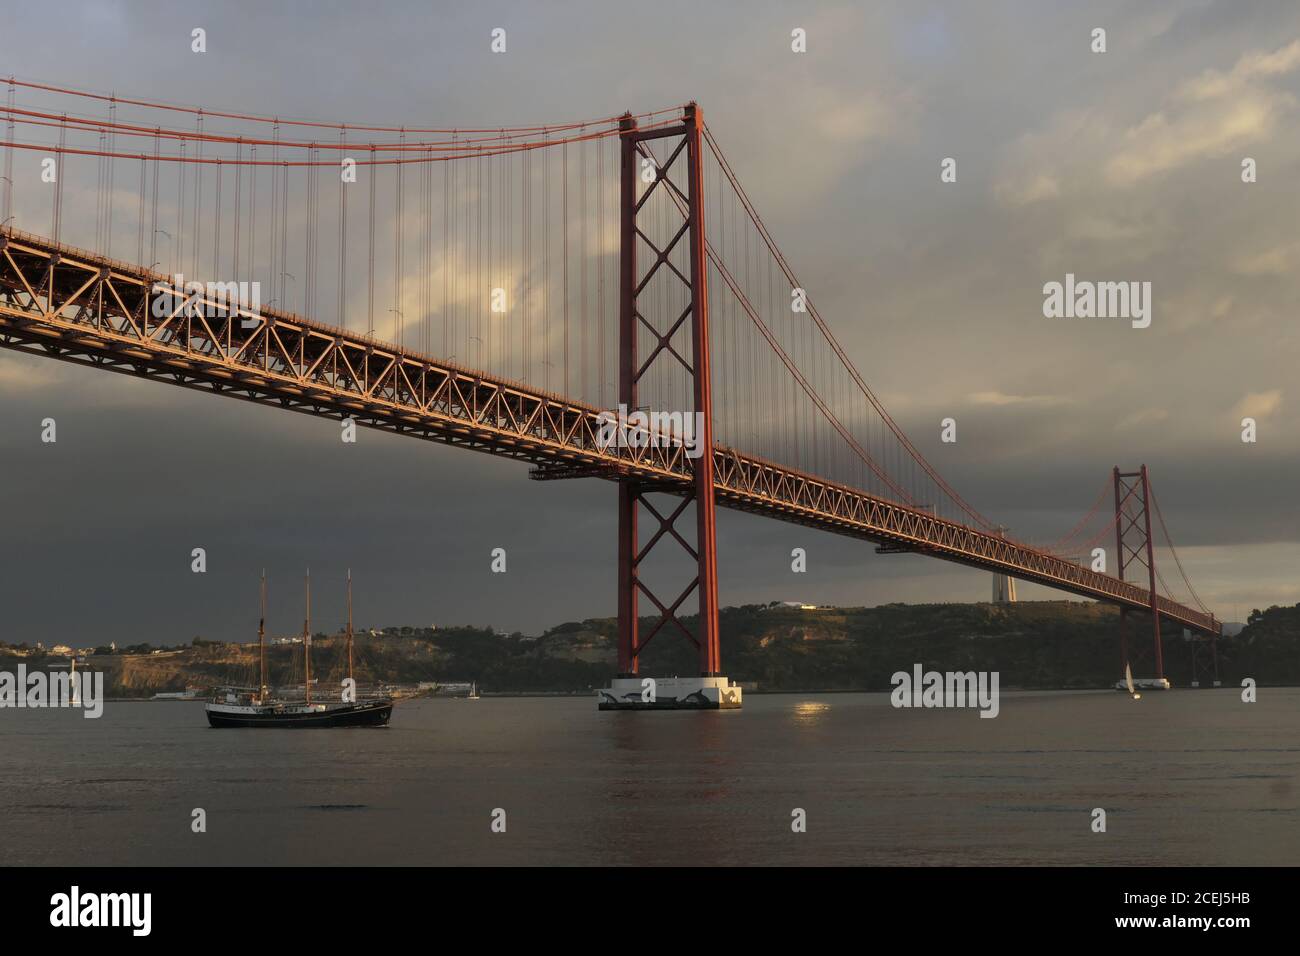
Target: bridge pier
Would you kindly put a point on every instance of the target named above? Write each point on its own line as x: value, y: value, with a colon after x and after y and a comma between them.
x: 1124, y: 662
x: 671, y: 693
x: 1200, y: 647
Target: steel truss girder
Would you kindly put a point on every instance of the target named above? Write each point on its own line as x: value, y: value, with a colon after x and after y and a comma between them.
x: 320, y: 370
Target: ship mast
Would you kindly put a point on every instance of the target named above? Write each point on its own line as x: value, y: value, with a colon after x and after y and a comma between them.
x: 350, y: 678
x: 306, y: 638
x: 261, y: 640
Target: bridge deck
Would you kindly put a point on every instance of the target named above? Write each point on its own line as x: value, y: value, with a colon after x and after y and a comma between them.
x: 73, y: 305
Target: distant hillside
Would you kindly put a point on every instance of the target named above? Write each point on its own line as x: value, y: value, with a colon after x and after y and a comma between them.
x: 1032, y: 644
x: 1268, y: 648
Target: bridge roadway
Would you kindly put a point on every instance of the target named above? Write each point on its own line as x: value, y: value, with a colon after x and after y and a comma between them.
x: 73, y: 305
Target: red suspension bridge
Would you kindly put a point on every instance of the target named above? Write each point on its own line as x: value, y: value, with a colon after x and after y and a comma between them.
x: 602, y: 297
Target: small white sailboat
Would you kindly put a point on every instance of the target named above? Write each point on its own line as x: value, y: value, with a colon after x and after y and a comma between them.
x: 1128, y: 681
x: 1140, y: 684
x: 473, y: 691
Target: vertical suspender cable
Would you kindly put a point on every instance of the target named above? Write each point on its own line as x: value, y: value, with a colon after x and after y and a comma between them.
x: 153, y: 236
x: 284, y: 231
x: 582, y: 268
x: 373, y: 172
x: 397, y: 249
x: 112, y: 148
x: 546, y: 266
x: 239, y: 198
x: 564, y: 230
x: 216, y: 228
x: 476, y: 307
x: 601, y: 198
x: 284, y: 234
x: 313, y: 224
x: 426, y: 296
x: 507, y: 242
x: 458, y: 242
x: 252, y: 212
x: 430, y: 253
x: 444, y: 259
x: 60, y: 171
x: 343, y: 234
x: 8, y: 210
x: 139, y: 242
x: 276, y: 269
x: 198, y: 196
x: 99, y: 191
x: 526, y: 257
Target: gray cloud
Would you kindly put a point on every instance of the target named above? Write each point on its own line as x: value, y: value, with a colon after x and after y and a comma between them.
x: 1117, y: 166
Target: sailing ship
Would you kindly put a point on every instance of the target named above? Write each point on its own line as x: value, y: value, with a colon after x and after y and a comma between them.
x: 248, y: 707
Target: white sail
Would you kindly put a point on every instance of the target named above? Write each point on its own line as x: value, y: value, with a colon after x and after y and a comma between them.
x: 1128, y: 678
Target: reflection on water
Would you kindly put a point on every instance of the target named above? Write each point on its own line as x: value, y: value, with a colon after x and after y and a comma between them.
x: 1187, y: 777
x: 808, y: 712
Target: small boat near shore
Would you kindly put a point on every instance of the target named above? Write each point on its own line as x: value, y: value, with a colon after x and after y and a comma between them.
x: 1134, y: 686
x: 259, y: 707
x: 189, y: 693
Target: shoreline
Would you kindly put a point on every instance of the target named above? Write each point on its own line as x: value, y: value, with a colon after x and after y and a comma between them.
x: 754, y: 693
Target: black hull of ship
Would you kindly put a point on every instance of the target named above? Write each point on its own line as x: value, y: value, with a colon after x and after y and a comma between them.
x: 362, y: 715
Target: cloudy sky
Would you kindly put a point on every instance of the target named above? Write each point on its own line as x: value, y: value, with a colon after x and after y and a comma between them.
x: 1123, y: 166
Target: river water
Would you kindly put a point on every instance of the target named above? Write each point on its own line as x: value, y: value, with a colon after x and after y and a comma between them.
x: 1186, y: 777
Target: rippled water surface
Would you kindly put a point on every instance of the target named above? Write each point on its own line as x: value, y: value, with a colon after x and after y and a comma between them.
x: 1186, y: 777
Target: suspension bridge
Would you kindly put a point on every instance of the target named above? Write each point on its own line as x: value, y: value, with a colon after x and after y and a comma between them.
x: 599, y: 299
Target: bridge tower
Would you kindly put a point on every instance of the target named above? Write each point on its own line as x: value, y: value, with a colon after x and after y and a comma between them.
x: 1135, y: 547
x: 683, y: 166
x: 1004, y: 585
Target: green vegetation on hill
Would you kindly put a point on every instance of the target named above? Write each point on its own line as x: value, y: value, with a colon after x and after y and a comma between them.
x: 1031, y: 644
x: 1268, y: 649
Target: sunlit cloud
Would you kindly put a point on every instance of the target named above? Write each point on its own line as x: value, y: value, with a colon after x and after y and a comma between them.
x: 1259, y: 404
x: 1000, y: 399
